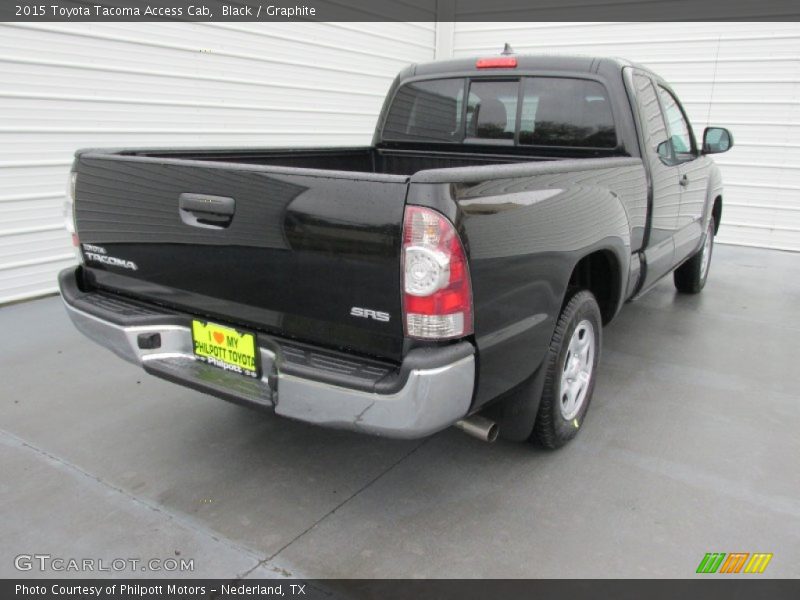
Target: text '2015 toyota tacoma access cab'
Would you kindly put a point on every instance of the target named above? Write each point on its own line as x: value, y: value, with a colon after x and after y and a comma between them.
x: 457, y: 271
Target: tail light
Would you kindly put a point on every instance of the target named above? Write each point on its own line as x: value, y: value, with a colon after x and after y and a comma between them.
x: 437, y: 293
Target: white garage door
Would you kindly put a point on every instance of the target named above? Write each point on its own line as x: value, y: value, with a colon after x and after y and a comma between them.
x: 750, y: 74
x: 66, y: 86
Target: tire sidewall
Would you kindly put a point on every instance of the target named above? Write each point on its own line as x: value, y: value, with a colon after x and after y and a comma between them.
x: 689, y: 277
x: 587, y: 309
x: 709, y: 233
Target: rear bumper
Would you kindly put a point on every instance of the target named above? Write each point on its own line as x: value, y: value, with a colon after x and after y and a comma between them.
x: 431, y: 390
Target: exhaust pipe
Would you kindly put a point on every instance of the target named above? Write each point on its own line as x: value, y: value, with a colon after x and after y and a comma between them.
x: 479, y: 427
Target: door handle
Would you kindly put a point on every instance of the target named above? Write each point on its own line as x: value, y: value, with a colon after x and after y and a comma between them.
x: 684, y: 180
x: 209, y: 212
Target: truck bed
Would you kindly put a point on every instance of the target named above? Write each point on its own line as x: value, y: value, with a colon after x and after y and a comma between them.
x: 386, y: 161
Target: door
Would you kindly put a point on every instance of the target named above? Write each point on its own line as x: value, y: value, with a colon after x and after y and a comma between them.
x: 664, y: 181
x: 694, y: 170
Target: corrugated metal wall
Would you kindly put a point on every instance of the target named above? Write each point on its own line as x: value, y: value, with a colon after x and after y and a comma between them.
x: 742, y: 75
x: 66, y: 86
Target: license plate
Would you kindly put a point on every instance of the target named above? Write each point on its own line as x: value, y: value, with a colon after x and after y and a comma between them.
x: 225, y: 347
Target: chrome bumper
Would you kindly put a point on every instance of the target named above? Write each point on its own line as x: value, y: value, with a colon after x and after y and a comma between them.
x: 430, y: 399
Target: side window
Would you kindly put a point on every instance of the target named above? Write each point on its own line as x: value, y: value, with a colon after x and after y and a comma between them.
x: 492, y: 110
x: 655, y: 129
x: 680, y: 136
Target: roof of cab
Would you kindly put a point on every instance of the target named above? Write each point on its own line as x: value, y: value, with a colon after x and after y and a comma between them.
x: 525, y: 62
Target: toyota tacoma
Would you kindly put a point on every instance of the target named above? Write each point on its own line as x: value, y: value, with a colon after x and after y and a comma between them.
x: 457, y: 271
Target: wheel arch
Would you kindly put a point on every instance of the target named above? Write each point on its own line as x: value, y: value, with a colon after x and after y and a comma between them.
x: 716, y: 212
x: 714, y: 193
x: 600, y: 272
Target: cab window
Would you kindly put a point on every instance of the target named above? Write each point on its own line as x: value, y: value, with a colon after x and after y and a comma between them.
x: 558, y: 112
x: 492, y: 110
x: 566, y: 112
x: 426, y: 111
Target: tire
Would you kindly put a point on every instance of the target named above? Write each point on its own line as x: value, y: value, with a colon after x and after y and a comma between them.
x: 571, y: 367
x: 691, y: 276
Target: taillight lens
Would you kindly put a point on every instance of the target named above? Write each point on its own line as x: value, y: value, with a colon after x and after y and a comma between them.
x: 437, y: 294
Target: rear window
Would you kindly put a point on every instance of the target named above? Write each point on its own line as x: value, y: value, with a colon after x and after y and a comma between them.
x: 426, y: 111
x: 492, y: 110
x: 554, y: 112
x: 566, y: 112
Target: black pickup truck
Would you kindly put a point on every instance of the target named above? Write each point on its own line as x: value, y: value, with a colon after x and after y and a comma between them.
x: 457, y: 271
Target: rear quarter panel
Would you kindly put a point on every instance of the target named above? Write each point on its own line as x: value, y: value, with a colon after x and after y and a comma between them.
x: 525, y: 227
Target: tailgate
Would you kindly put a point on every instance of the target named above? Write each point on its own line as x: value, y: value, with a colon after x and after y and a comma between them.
x: 286, y: 251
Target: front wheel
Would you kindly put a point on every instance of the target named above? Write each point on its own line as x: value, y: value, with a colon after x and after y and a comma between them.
x: 571, y: 365
x: 691, y: 276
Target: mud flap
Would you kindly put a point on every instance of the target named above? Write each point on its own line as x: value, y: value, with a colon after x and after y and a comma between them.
x: 516, y: 413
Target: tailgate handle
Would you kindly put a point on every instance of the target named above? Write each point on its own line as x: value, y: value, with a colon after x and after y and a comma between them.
x: 202, y: 210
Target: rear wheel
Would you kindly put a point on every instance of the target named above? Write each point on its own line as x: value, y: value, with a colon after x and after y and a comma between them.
x: 691, y: 276
x: 571, y: 365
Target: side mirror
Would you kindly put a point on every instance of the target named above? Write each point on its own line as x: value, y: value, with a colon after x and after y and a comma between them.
x: 717, y: 140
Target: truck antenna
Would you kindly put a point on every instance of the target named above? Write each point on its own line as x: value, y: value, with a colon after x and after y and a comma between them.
x: 507, y: 49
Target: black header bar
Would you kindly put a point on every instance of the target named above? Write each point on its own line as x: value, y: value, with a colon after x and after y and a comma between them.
x: 398, y: 10
x: 704, y: 587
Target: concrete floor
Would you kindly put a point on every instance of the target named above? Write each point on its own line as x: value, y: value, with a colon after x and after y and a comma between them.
x: 691, y: 446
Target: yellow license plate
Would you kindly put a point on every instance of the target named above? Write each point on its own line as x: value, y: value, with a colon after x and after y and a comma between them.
x: 225, y: 347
